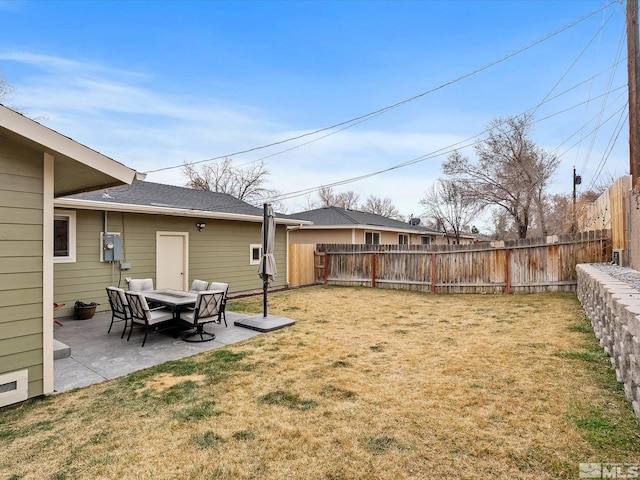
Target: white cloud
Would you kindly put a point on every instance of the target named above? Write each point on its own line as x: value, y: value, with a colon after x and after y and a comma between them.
x: 118, y: 113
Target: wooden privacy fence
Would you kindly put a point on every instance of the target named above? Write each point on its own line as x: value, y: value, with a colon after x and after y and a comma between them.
x: 532, y: 265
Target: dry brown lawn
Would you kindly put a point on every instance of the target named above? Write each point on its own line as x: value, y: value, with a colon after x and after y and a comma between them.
x: 369, y: 384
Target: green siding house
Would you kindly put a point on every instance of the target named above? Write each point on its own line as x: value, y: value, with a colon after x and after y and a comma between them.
x: 37, y: 165
x: 73, y: 222
x: 171, y: 234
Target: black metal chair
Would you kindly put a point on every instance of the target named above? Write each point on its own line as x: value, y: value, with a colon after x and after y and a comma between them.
x: 142, y: 315
x: 208, y: 309
x: 119, y: 308
x: 225, y: 288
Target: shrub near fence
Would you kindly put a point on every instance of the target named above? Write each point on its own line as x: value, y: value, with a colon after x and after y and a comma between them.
x: 522, y: 266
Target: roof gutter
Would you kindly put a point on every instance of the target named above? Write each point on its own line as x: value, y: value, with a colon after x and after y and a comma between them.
x: 156, y: 210
x: 369, y: 227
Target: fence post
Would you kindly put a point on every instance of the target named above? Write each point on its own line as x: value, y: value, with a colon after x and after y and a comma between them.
x: 326, y: 268
x: 433, y: 272
x: 373, y: 270
x: 507, y: 267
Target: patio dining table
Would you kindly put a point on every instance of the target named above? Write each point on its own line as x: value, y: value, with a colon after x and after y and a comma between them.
x: 174, y: 299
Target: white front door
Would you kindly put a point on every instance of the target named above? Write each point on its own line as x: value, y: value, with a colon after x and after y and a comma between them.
x: 172, y: 260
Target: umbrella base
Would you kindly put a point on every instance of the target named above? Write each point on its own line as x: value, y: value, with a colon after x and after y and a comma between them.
x: 264, y: 324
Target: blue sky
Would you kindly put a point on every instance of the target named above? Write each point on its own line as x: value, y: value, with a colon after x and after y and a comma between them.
x: 153, y: 84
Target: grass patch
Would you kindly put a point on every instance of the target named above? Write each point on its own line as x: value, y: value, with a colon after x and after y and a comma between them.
x: 341, y: 364
x: 601, y: 429
x: 244, y: 436
x: 338, y: 393
x: 379, y: 445
x: 288, y: 400
x: 593, y: 356
x: 197, y: 412
x: 207, y: 439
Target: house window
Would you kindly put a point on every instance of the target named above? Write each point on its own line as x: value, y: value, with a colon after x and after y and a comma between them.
x: 255, y: 253
x: 403, y: 239
x: 425, y: 240
x: 64, y: 236
x: 372, y: 238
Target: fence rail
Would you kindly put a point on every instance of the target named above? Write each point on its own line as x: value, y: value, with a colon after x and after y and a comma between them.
x: 532, y: 265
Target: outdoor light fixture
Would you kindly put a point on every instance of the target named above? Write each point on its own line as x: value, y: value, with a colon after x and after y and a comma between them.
x: 201, y: 226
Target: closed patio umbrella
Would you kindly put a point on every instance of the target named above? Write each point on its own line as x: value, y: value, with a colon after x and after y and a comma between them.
x: 267, y: 272
x: 267, y: 268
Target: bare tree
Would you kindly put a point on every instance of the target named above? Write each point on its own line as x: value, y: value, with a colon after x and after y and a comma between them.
x: 503, y: 225
x: 247, y: 184
x: 5, y: 90
x: 327, y: 197
x: 381, y: 206
x: 510, y: 173
x: 448, y: 209
x: 347, y: 200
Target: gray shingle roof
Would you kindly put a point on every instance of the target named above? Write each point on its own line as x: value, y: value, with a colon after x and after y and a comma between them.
x: 160, y: 195
x: 342, y: 216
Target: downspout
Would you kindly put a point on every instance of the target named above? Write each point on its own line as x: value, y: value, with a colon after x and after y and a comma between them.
x: 287, y: 253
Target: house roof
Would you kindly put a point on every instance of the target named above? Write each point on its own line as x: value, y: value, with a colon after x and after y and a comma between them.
x: 337, y: 217
x: 157, y: 198
x: 76, y: 167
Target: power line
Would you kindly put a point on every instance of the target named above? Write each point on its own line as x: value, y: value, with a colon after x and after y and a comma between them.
x: 546, y: 100
x: 468, y: 142
x: 604, y: 100
x: 383, y: 110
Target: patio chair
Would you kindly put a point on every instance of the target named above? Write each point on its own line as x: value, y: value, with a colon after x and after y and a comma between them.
x: 225, y: 288
x: 208, y: 309
x: 119, y: 308
x: 199, y: 286
x: 142, y: 315
x: 140, y: 284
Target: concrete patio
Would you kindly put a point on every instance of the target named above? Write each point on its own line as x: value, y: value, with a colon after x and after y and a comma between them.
x: 85, y: 354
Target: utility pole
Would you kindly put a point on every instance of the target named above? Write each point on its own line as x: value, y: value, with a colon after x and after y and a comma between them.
x: 633, y: 62
x: 577, y: 180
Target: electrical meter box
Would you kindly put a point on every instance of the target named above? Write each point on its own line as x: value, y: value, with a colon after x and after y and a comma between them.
x: 111, y: 247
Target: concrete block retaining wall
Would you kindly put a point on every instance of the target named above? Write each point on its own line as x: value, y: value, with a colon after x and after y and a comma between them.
x: 613, y: 307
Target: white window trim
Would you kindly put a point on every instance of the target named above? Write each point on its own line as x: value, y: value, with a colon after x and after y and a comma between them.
x: 71, y: 258
x: 372, y: 234
x: 252, y: 247
x: 404, y: 235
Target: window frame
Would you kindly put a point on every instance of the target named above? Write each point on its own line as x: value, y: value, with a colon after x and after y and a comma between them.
x: 373, y: 235
x: 428, y: 239
x: 71, y: 234
x: 403, y: 236
x: 252, y: 248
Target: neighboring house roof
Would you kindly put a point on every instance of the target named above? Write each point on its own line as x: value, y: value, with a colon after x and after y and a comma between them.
x: 335, y: 217
x: 76, y: 167
x: 157, y: 198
